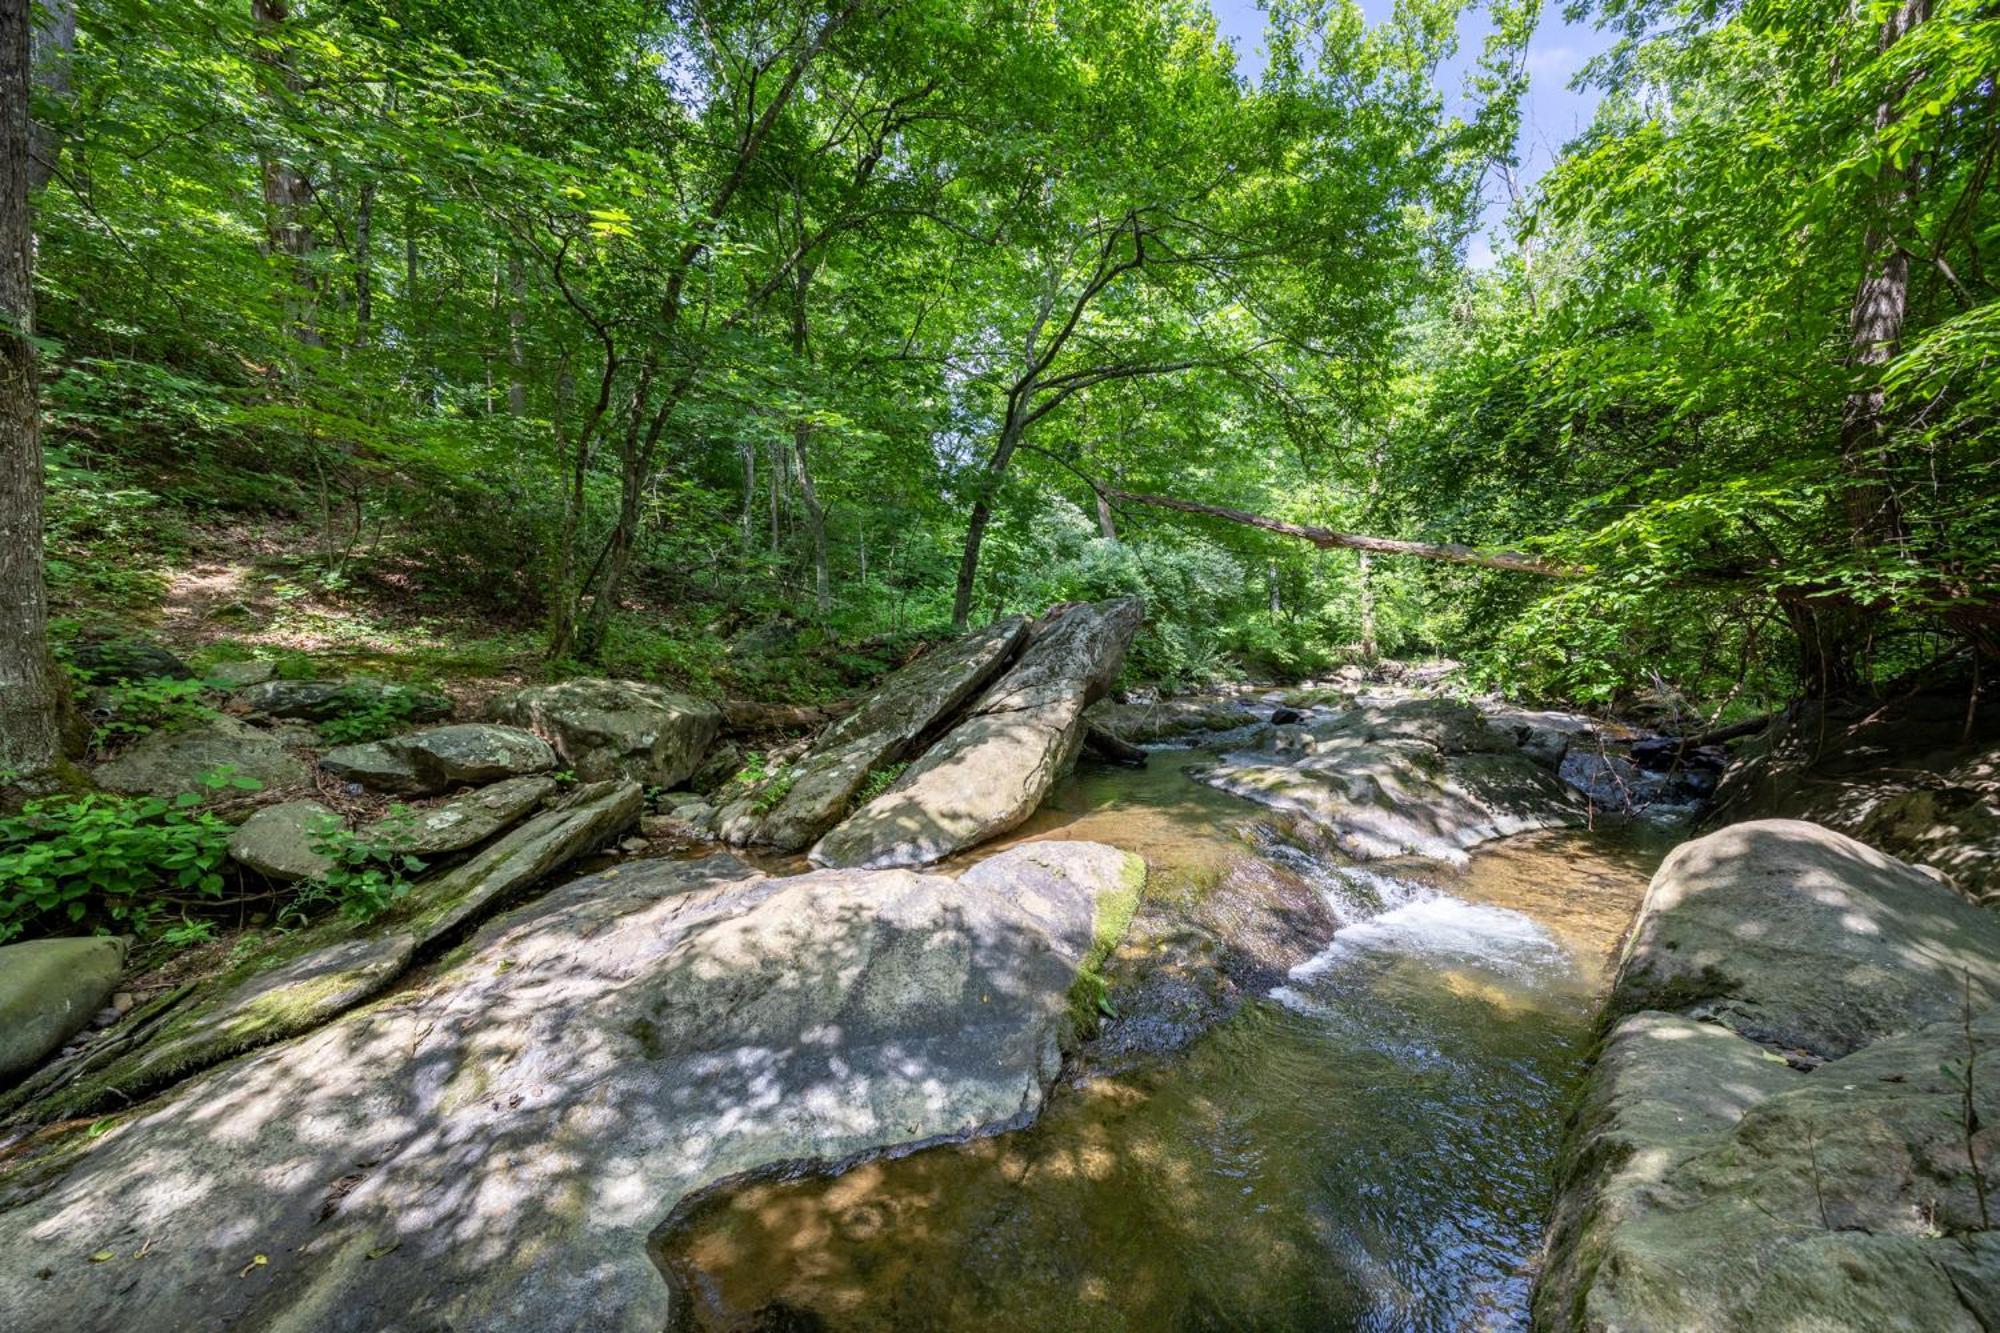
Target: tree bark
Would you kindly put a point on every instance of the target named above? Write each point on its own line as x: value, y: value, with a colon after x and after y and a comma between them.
x: 801, y: 438
x: 33, y: 700
x: 53, y: 45
x: 1516, y: 562
x: 286, y: 191
x: 1364, y: 571
x: 364, y: 263
x: 517, y: 322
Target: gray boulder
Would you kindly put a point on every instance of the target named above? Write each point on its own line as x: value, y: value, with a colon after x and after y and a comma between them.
x: 883, y: 731
x: 616, y: 728
x: 993, y: 767
x: 320, y: 700
x: 468, y: 820
x: 373, y: 765
x: 493, y: 1151
x: 1801, y: 938
x: 277, y: 841
x: 106, y: 661
x: 1710, y: 1181
x: 49, y: 989
x: 167, y: 763
x: 1184, y: 718
x: 471, y: 753
x: 239, y: 675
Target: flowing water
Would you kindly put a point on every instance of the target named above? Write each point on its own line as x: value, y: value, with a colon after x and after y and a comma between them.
x: 1368, y: 1146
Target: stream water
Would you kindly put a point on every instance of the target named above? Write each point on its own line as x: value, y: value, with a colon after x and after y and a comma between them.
x: 1369, y: 1145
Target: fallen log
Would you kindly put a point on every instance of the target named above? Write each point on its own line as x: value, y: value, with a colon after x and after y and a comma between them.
x: 1108, y: 747
x: 1518, y: 562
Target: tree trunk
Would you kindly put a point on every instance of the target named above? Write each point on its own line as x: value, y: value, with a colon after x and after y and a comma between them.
x: 982, y: 507
x: 286, y: 192
x: 745, y: 527
x: 801, y: 437
x: 1273, y: 599
x: 1107, y: 522
x: 1516, y: 562
x: 517, y: 322
x: 364, y: 263
x: 1364, y: 572
x: 32, y: 698
x: 54, y: 44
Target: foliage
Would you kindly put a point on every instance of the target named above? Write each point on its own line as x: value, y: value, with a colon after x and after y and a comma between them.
x: 368, y: 714
x: 135, y: 707
x: 111, y: 861
x: 368, y: 873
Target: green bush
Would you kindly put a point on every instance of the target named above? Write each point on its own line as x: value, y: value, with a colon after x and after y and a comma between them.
x: 109, y: 860
x: 161, y: 704
x: 369, y: 715
x: 368, y: 872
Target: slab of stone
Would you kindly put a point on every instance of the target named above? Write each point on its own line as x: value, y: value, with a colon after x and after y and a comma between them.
x: 991, y: 770
x: 49, y: 990
x: 373, y: 765
x: 468, y: 820
x: 886, y: 728
x: 277, y: 841
x: 168, y: 763
x: 616, y: 728
x: 1183, y: 719
x: 1802, y: 938
x: 321, y: 700
x: 470, y: 753
x: 584, y: 819
x: 239, y: 675
x: 494, y: 1152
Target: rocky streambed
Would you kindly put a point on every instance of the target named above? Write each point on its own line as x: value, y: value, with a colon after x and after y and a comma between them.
x: 1302, y: 1023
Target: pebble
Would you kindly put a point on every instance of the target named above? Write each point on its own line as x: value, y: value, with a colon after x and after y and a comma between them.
x: 634, y: 844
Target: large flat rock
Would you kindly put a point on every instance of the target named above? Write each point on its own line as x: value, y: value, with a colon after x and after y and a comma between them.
x: 492, y: 1152
x: 992, y: 769
x: 170, y: 762
x: 1717, y: 1175
x: 884, y: 731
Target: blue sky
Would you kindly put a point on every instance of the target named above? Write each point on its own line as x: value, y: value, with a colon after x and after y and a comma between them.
x: 1551, y: 115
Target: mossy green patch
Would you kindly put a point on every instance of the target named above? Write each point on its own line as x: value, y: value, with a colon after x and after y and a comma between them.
x: 1090, y: 993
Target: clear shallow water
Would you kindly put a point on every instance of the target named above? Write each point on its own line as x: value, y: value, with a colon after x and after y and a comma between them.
x: 1370, y: 1147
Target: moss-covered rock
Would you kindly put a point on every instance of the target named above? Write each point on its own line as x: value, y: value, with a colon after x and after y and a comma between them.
x: 49, y: 989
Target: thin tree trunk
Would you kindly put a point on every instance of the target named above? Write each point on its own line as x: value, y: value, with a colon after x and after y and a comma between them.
x: 982, y: 507
x: 1275, y: 602
x: 745, y: 528
x: 54, y: 44
x: 286, y: 192
x: 1107, y: 524
x: 364, y: 263
x: 517, y: 321
x: 33, y: 701
x: 801, y: 438
x: 1364, y: 573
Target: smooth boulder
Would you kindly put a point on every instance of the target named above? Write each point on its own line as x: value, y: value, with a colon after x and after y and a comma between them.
x: 49, y: 989
x: 493, y: 1151
x: 906, y: 706
x: 170, y: 762
x: 279, y: 841
x: 1787, y: 1127
x: 616, y: 728
x: 991, y: 770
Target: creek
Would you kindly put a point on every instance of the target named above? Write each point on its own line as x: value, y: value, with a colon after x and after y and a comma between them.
x: 1368, y: 1142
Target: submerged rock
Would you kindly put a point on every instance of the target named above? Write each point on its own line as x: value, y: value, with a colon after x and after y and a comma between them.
x: 883, y: 731
x: 1711, y: 1183
x: 168, y: 763
x: 494, y: 1151
x: 277, y: 841
x: 49, y: 989
x: 616, y: 728
x: 993, y: 767
x: 1428, y: 776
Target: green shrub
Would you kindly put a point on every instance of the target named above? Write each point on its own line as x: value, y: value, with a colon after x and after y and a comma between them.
x: 369, y: 715
x: 141, y: 706
x: 368, y: 872
x: 110, y: 860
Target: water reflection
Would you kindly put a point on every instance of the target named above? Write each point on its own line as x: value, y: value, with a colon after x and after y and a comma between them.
x: 1371, y: 1149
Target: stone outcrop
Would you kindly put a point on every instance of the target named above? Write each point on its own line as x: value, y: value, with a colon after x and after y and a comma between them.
x: 616, y: 728
x: 170, y: 762
x: 885, y: 730
x: 1788, y: 1126
x: 439, y: 758
x: 321, y: 700
x: 49, y: 989
x: 467, y: 820
x: 1425, y: 776
x: 277, y: 841
x: 491, y: 1152
x: 1162, y: 721
x: 990, y: 771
